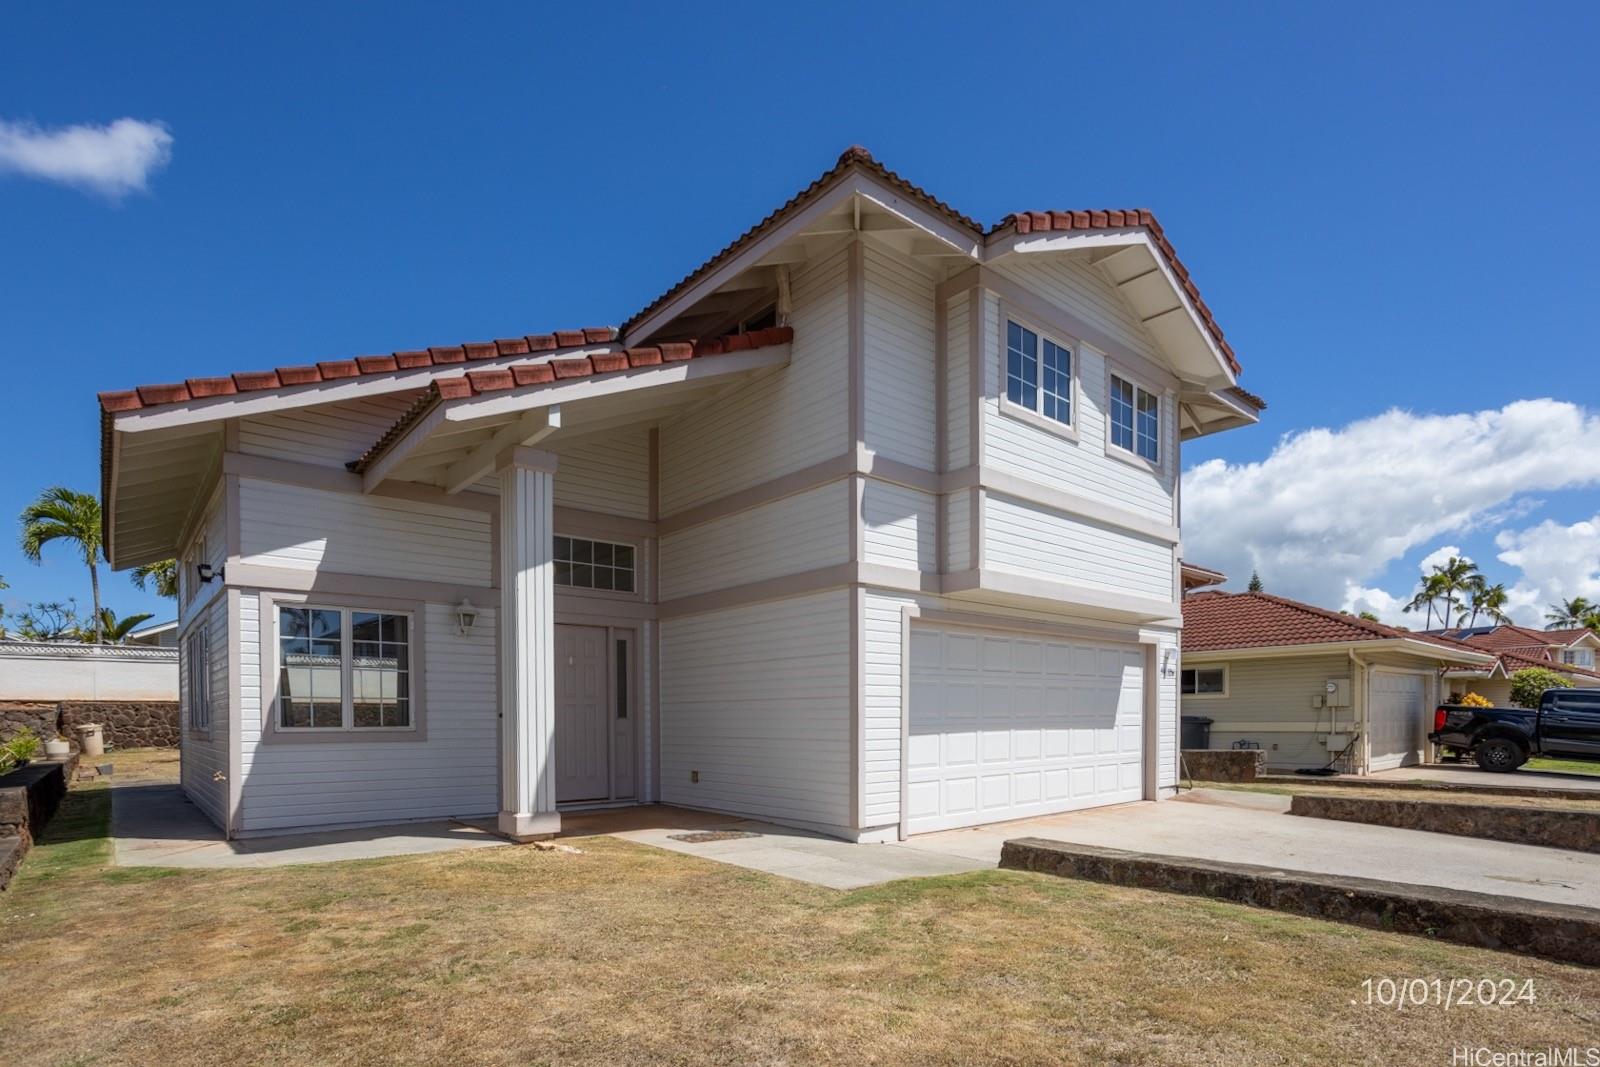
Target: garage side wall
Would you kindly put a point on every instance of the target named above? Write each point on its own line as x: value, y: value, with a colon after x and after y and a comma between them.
x: 1269, y: 703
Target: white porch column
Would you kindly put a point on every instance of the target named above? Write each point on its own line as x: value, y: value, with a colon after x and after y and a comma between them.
x: 527, y: 645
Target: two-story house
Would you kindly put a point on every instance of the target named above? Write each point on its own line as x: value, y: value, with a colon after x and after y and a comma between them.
x: 869, y: 525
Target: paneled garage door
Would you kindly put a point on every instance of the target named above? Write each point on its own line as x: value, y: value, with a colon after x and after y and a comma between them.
x: 1007, y: 727
x: 1399, y: 707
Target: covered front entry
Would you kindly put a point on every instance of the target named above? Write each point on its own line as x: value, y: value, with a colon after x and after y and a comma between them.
x: 1397, y: 717
x: 594, y: 747
x: 1008, y: 726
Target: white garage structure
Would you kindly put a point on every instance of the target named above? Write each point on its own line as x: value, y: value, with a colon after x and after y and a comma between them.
x: 1009, y: 726
x: 1398, y: 717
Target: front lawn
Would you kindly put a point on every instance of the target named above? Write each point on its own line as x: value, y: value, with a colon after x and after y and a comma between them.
x: 624, y: 954
x: 1565, y: 766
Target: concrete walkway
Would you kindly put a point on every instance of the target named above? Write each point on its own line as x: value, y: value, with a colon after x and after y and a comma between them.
x: 1468, y: 774
x: 1239, y: 827
x: 152, y: 825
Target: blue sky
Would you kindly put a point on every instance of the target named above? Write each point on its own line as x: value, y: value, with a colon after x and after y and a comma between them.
x: 1387, y: 207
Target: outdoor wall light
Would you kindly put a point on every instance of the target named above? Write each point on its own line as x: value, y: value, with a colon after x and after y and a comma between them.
x: 466, y: 615
x: 207, y: 572
x: 1166, y: 663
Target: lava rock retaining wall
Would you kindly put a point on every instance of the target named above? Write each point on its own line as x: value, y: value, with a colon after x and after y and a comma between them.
x: 1568, y: 828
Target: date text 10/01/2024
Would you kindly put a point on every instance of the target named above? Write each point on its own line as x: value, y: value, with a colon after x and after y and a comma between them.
x: 1447, y: 993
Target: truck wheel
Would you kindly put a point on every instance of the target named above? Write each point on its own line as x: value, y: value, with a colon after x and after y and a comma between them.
x: 1499, y: 754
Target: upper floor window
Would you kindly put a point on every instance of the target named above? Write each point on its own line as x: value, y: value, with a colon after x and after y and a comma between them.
x: 1578, y: 657
x: 585, y: 564
x: 1038, y: 373
x: 343, y: 669
x: 1135, y: 419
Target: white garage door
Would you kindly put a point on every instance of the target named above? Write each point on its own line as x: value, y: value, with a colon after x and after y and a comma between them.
x: 1007, y: 727
x: 1398, y: 710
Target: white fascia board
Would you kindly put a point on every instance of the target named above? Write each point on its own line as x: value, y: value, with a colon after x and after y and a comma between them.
x: 1386, y: 644
x: 853, y: 185
x: 1073, y: 240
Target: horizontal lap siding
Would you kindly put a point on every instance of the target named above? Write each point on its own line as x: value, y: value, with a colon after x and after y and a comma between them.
x: 453, y: 772
x: 1076, y: 287
x: 329, y: 435
x: 203, y: 766
x: 958, y: 531
x: 609, y: 475
x: 1166, y: 707
x: 898, y: 347
x: 899, y: 526
x: 788, y: 420
x: 1273, y: 692
x: 1081, y: 466
x: 1030, y: 539
x: 757, y: 699
x: 290, y: 526
x: 958, y: 382
x: 789, y: 536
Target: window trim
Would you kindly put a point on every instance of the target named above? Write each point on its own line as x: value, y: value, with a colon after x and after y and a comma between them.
x: 1131, y: 456
x: 1226, y: 681
x: 1036, y: 416
x: 197, y: 669
x: 272, y: 729
x: 607, y: 594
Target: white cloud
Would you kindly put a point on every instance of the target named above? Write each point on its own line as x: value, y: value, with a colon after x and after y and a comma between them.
x: 1557, y: 562
x: 113, y: 160
x: 1439, y: 557
x: 1389, y: 609
x: 1328, y: 510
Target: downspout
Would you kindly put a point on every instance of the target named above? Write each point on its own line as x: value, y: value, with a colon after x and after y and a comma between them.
x: 1358, y: 696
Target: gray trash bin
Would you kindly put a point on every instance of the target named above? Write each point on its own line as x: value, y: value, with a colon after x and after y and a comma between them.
x: 1196, y: 732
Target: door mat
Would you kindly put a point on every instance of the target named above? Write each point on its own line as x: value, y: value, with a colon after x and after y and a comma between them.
x: 701, y: 837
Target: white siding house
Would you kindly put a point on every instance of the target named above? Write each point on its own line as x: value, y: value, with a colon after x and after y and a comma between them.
x: 868, y: 526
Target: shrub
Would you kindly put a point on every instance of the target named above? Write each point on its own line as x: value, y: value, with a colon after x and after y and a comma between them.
x: 23, y: 746
x: 1475, y: 700
x: 1529, y: 684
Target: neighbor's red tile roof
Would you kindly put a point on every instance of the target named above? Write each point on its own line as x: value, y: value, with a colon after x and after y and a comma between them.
x: 1566, y: 637
x: 1513, y: 637
x: 500, y: 379
x: 1217, y: 620
x: 332, y: 370
x: 1516, y: 661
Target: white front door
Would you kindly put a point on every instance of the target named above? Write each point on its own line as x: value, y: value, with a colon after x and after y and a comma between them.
x: 1004, y: 726
x: 583, y: 715
x: 1398, y: 711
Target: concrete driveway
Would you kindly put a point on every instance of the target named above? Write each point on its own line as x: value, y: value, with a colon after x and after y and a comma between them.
x: 1256, y: 828
x: 1469, y: 774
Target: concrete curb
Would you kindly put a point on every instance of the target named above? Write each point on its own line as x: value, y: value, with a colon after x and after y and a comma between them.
x: 1433, y: 787
x: 1565, y: 828
x: 1558, y: 932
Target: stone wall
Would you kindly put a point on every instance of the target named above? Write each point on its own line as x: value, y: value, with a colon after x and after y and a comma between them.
x: 1572, y: 829
x: 127, y: 723
x: 29, y: 796
x: 1225, y: 765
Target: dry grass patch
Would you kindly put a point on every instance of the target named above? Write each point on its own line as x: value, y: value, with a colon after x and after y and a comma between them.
x: 626, y: 954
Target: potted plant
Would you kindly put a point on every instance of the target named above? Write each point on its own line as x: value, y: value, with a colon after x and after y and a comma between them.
x: 57, y: 747
x: 23, y: 746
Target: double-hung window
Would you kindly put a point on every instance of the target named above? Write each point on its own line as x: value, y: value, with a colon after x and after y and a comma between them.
x: 1135, y: 419
x: 343, y: 669
x: 1038, y: 373
x: 197, y: 675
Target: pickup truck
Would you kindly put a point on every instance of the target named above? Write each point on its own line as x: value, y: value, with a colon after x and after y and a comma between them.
x: 1566, y: 725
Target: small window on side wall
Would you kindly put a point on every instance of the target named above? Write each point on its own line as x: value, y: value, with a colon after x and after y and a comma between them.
x: 1135, y: 419
x: 1204, y: 681
x: 1038, y: 373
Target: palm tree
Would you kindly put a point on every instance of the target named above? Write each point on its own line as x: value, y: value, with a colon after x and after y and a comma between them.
x: 1490, y: 602
x: 1431, y: 588
x: 163, y: 572
x: 60, y: 514
x: 1570, y: 614
x: 1460, y: 575
x: 116, y: 630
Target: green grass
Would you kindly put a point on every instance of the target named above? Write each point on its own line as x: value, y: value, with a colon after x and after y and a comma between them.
x: 1565, y: 766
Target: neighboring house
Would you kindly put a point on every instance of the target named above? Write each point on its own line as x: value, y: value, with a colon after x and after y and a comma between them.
x: 1306, y: 685
x: 1194, y: 577
x: 157, y: 634
x: 1568, y: 652
x: 868, y: 525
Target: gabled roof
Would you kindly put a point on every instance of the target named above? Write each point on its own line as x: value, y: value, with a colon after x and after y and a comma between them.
x: 1213, y: 621
x: 1511, y: 636
x: 1569, y: 637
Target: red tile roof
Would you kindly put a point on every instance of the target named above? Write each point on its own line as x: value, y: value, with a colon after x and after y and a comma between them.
x: 1509, y: 636
x: 1515, y: 661
x: 332, y: 370
x: 1217, y: 620
x: 477, y: 383
x: 1567, y: 637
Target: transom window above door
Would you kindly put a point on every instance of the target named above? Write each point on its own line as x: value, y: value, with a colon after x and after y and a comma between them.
x: 1038, y: 373
x: 585, y: 564
x: 1135, y: 419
